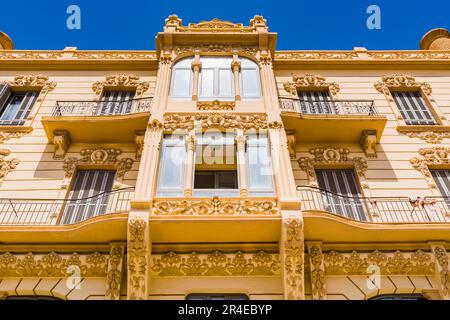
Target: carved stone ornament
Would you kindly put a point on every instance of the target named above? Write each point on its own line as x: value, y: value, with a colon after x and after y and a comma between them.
x: 328, y: 157
x: 216, y: 105
x: 6, y: 166
x: 389, y: 263
x: 399, y: 82
x: 183, y: 51
x: 61, y: 140
x: 442, y: 260
x: 215, y: 206
x: 52, y: 265
x: 293, y: 257
x: 114, y: 275
x: 215, y: 263
x: 215, y: 25
x: 317, y: 273
x: 38, y: 81
x: 121, y: 80
x: 430, y: 157
x: 137, y: 259
x: 431, y: 136
x: 98, y: 156
x: 215, y: 120
x: 310, y: 82
x: 368, y: 142
x: 8, y: 134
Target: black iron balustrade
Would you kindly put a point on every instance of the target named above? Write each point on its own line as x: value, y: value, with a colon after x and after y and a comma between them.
x: 337, y: 107
x: 102, y: 108
x: 63, y: 211
x: 377, y: 209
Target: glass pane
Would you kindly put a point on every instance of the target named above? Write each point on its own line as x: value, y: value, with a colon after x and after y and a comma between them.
x: 207, y: 83
x: 226, y: 180
x: 181, y: 83
x: 172, y: 164
x: 250, y: 83
x: 259, y: 174
x: 12, y: 107
x: 225, y: 83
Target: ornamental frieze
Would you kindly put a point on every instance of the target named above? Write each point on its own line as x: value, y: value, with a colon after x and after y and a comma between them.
x: 310, y: 82
x: 214, y: 206
x: 6, y: 166
x: 389, y: 263
x: 35, y: 81
x: 215, y: 263
x: 401, y: 81
x: 216, y: 105
x: 121, y: 80
x: 431, y: 136
x: 215, y: 120
x: 52, y: 265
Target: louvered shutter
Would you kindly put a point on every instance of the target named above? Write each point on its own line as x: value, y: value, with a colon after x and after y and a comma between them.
x: 116, y: 102
x: 413, y: 108
x: 5, y: 93
x: 89, y: 195
x: 343, y: 196
x: 16, y: 111
x: 316, y: 102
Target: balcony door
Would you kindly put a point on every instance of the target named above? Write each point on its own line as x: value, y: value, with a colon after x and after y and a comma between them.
x: 88, y: 196
x: 341, y: 194
x: 316, y: 102
x: 442, y: 179
x: 116, y: 103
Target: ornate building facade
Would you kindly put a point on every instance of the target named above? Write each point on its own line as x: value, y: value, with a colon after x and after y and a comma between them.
x: 217, y: 167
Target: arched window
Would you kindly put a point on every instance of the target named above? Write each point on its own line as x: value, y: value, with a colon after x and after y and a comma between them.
x: 217, y: 79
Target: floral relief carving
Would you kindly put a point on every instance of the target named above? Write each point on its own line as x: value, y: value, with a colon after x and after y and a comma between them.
x: 317, y: 273
x: 430, y: 157
x: 216, y: 105
x: 400, y: 81
x: 293, y: 247
x: 215, y: 206
x: 6, y: 166
x: 329, y: 156
x: 114, y: 275
x: 98, y: 156
x: 444, y: 273
x: 215, y: 49
x: 6, y: 135
x: 429, y: 136
x: 39, y: 81
x: 390, y: 263
x: 52, y: 265
x: 216, y: 263
x: 121, y: 80
x: 208, y: 120
x: 137, y: 258
x: 308, y: 82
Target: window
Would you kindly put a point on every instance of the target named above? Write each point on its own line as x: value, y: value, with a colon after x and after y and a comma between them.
x: 259, y: 165
x: 341, y: 193
x: 215, y: 180
x: 88, y: 196
x: 15, y: 106
x: 316, y: 102
x: 116, y: 102
x: 413, y: 108
x: 199, y: 296
x: 216, y: 79
x: 399, y: 297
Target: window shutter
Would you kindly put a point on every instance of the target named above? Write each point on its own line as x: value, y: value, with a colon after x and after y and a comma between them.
x: 116, y: 102
x: 25, y: 108
x: 316, y: 102
x: 5, y: 93
x: 442, y: 179
x: 413, y: 108
x: 85, y: 203
x: 259, y: 166
x: 172, y: 165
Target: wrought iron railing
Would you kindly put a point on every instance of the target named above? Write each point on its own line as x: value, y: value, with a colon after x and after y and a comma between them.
x: 66, y: 211
x: 102, y: 108
x: 377, y: 209
x: 340, y: 107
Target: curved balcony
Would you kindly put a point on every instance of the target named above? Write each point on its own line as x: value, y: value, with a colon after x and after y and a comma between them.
x: 377, y: 209
x: 350, y: 118
x: 39, y: 212
x: 98, y: 121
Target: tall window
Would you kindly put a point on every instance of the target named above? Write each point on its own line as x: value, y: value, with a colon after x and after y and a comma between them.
x: 341, y: 193
x: 15, y: 106
x: 413, y: 108
x: 316, y: 102
x: 116, y: 102
x: 216, y: 79
x: 88, y: 196
x: 442, y: 179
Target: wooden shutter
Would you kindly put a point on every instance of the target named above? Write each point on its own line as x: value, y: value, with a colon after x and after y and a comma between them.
x: 316, y: 102
x: 413, y: 108
x: 442, y: 179
x: 343, y: 196
x: 116, y: 102
x: 83, y: 200
x: 5, y: 93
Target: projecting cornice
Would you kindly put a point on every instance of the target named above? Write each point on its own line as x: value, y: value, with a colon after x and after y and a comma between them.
x: 70, y: 58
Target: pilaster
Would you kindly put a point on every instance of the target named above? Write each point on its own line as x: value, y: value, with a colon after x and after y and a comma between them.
x: 115, y: 271
x: 318, y: 289
x: 442, y: 270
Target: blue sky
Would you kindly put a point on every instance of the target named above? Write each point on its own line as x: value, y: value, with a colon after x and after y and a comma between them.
x: 302, y: 25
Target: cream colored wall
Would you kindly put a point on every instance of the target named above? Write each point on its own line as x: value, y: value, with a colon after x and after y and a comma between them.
x: 391, y: 173
x: 38, y: 175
